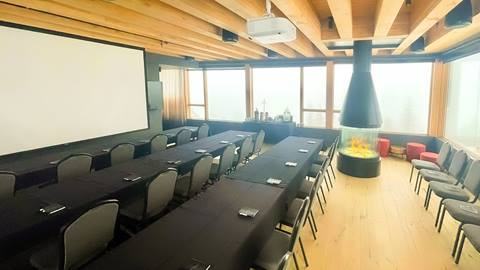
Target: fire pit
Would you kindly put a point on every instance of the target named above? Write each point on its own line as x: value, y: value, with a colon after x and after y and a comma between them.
x: 360, y: 119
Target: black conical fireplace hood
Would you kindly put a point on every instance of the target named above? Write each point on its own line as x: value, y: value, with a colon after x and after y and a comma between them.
x: 360, y: 108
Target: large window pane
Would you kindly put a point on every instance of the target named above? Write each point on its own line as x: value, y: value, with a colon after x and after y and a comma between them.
x: 277, y: 89
x: 314, y: 119
x: 226, y: 95
x: 463, y: 109
x: 403, y: 92
x: 315, y: 87
x: 195, y: 84
x: 197, y: 112
x: 342, y: 75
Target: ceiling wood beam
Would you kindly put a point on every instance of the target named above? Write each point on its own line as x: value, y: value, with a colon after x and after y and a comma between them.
x: 218, y: 15
x: 440, y: 38
x: 385, y: 14
x: 342, y: 14
x: 424, y: 15
x: 29, y: 17
x: 249, y: 9
x: 302, y: 14
x: 109, y: 15
x: 169, y: 14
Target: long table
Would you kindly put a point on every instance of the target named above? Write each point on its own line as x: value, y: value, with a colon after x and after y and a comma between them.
x: 37, y: 168
x: 271, y: 164
x: 22, y: 225
x: 207, y: 228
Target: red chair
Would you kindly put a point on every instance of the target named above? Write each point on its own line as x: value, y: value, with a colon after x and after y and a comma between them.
x: 414, y: 150
x: 429, y: 156
x: 383, y: 147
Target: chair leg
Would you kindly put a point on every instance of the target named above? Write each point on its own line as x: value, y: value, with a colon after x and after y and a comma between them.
x: 441, y: 219
x: 411, y: 174
x: 428, y: 198
x: 295, y: 260
x: 329, y: 179
x: 460, y: 248
x: 419, y: 185
x: 318, y: 198
x: 326, y: 184
x: 323, y: 195
x: 311, y: 227
x: 438, y: 213
x: 457, y: 237
x: 416, y: 182
x: 333, y: 172
x: 303, y: 251
x: 321, y: 207
x: 314, y: 222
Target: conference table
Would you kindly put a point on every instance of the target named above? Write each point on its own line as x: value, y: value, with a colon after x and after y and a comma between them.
x: 22, y: 224
x: 208, y: 228
x: 38, y: 167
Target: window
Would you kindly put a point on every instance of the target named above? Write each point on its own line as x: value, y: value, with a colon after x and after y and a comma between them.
x: 196, y: 102
x: 226, y: 95
x: 462, y: 121
x: 277, y: 89
x: 403, y: 92
x: 314, y: 96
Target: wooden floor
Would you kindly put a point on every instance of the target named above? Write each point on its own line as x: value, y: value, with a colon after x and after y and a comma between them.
x: 380, y: 223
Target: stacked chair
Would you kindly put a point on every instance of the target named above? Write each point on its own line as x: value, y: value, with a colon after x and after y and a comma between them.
x: 203, y: 131
x: 80, y: 241
x: 455, y: 179
x: 158, y: 143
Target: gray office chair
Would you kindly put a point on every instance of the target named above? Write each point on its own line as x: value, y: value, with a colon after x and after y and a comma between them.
x: 243, y: 152
x: 7, y: 185
x: 225, y: 164
x: 459, y: 193
x: 122, y: 152
x: 441, y: 160
x: 203, y: 131
x: 158, y: 143
x: 450, y: 177
x: 183, y: 136
x: 472, y: 233
x: 280, y: 243
x: 81, y: 240
x: 257, y: 148
x: 158, y: 193
x: 190, y: 184
x: 73, y: 166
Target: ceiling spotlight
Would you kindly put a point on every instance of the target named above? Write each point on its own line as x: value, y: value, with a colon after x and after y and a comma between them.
x: 229, y: 37
x: 272, y: 54
x: 408, y: 3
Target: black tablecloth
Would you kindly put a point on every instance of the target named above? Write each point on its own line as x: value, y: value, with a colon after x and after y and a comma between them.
x: 21, y: 221
x: 271, y: 164
x: 36, y: 168
x: 207, y: 228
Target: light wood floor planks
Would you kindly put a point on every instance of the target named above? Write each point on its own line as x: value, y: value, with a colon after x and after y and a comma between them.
x: 380, y: 223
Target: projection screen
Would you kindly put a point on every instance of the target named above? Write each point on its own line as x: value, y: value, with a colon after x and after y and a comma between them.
x: 56, y: 90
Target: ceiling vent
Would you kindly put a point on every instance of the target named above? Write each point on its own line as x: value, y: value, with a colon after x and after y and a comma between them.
x: 229, y: 37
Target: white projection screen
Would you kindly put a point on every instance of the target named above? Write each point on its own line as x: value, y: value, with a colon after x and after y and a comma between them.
x: 56, y: 90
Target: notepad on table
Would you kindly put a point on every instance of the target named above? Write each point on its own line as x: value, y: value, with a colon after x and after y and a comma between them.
x: 54, y: 162
x: 132, y: 178
x: 311, y: 142
x: 200, y: 151
x: 248, y: 212
x: 174, y: 162
x: 303, y: 150
x: 224, y: 142
x: 290, y: 164
x: 240, y: 135
x: 273, y: 181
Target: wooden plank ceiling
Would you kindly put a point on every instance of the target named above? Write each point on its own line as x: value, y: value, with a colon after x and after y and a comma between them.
x: 193, y: 27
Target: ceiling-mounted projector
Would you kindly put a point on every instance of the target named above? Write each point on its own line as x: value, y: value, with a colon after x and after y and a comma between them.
x: 270, y: 29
